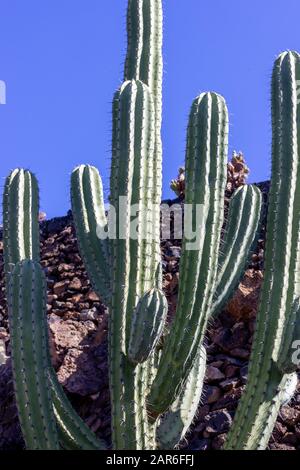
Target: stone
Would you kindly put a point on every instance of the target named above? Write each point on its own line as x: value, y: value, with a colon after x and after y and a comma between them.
x: 63, y: 267
x: 90, y: 314
x: 213, y: 374
x: 218, y: 422
x: 75, y: 284
x: 230, y: 339
x: 81, y: 371
x: 290, y: 438
x: 60, y: 287
x: 92, y: 297
x: 229, y: 400
x: 202, y: 412
x: 244, y: 303
x: 231, y: 371
x: 241, y: 353
x: 289, y: 415
x: 229, y: 384
x: 211, y: 394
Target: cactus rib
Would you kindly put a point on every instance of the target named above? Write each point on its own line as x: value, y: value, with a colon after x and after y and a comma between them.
x: 240, y: 234
x: 89, y: 217
x: 20, y: 218
x: 176, y: 422
x: 206, y: 154
x: 144, y: 62
x: 74, y: 433
x: 133, y: 138
x: 259, y: 404
x: 29, y: 343
x: 147, y: 325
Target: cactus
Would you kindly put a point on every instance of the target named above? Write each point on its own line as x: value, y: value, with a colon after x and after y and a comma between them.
x: 29, y: 356
x: 149, y: 377
x: 28, y: 327
x: 175, y: 423
x: 155, y: 377
x: 147, y: 325
x: 278, y: 320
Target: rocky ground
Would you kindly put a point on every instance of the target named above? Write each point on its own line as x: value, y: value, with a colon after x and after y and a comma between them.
x: 78, y: 335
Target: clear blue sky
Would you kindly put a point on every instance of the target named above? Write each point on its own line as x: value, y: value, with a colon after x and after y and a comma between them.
x: 63, y: 59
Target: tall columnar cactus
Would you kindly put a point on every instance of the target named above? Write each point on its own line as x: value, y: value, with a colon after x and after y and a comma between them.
x: 149, y: 377
x: 39, y: 396
x: 29, y: 355
x: 156, y: 377
x: 278, y: 320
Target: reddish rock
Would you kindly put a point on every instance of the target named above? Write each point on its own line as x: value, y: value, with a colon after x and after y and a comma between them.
x: 244, y: 303
x: 92, y: 296
x: 60, y: 287
x: 75, y: 284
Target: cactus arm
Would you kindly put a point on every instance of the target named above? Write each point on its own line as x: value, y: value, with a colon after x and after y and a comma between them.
x: 20, y: 218
x: 21, y: 240
x: 147, y: 325
x: 240, y: 233
x: 142, y: 276
x: 29, y: 343
x: 89, y: 216
x: 131, y: 180
x: 73, y: 432
x: 144, y: 62
x: 280, y: 287
x: 206, y: 160
x: 176, y: 422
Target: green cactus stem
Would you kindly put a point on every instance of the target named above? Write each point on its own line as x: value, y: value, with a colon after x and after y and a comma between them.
x: 276, y: 318
x: 176, y: 422
x: 20, y: 219
x: 29, y: 358
x: 144, y: 62
x: 89, y: 217
x: 132, y: 276
x: 21, y: 240
x: 74, y: 434
x: 205, y: 185
x: 240, y: 236
x: 147, y: 325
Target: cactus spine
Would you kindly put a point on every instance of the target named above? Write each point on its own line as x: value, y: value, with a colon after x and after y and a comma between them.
x: 278, y: 316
